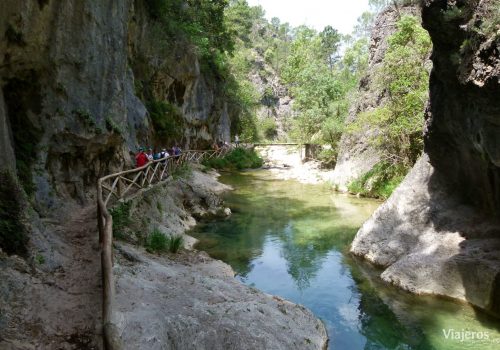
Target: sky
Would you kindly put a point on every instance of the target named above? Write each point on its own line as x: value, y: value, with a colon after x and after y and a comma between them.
x: 340, y: 14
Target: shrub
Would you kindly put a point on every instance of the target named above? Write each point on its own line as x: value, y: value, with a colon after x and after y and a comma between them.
x: 268, y: 128
x: 404, y: 74
x: 491, y: 23
x: 167, y: 120
x: 175, y: 243
x: 379, y: 182
x: 121, y: 219
x: 182, y: 172
x: 328, y: 157
x: 239, y: 158
x: 13, y: 235
x: 157, y: 241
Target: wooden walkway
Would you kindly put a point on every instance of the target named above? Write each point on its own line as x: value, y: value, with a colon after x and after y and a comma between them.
x: 121, y: 187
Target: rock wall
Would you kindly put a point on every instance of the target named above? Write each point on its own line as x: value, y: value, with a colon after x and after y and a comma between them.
x: 356, y: 155
x: 439, y: 233
x: 69, y: 74
x: 276, y: 103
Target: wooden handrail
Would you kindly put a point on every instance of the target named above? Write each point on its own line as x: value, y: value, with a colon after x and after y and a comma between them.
x: 121, y: 186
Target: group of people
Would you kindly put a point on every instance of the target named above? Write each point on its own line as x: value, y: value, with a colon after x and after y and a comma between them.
x: 142, y: 157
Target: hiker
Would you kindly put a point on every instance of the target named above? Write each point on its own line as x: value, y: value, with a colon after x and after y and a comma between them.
x: 141, y: 158
x: 163, y: 154
x: 237, y: 140
x: 177, y: 151
x: 150, y: 154
x: 156, y: 155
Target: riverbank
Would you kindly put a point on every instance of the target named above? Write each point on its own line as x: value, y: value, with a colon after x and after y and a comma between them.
x: 285, y: 163
x: 189, y: 300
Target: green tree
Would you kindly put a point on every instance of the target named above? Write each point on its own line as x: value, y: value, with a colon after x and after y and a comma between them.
x: 330, y: 43
x: 404, y: 74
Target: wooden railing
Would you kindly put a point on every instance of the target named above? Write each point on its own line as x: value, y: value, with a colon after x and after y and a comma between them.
x: 121, y: 187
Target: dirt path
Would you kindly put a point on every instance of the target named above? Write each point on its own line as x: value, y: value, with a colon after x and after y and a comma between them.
x: 54, y: 303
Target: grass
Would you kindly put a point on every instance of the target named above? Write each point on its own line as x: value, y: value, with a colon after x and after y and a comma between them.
x: 176, y: 242
x: 239, y: 158
x: 491, y: 22
x: 158, y: 242
x: 182, y: 172
x: 379, y: 182
x: 40, y: 259
x: 13, y: 233
x: 121, y: 219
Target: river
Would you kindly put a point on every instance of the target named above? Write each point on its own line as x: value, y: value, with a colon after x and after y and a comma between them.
x: 292, y: 240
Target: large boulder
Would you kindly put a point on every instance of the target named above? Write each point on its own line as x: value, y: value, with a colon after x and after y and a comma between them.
x: 439, y: 233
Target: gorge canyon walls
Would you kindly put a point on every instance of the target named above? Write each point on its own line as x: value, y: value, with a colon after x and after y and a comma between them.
x: 439, y: 232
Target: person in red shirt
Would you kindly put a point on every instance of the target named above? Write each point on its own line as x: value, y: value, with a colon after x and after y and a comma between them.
x: 141, y: 158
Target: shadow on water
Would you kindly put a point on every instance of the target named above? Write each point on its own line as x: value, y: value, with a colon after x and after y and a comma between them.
x: 292, y: 240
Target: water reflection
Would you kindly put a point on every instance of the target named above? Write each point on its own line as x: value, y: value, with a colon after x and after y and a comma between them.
x: 290, y: 240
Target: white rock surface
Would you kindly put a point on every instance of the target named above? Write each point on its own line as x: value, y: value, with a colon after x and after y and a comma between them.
x: 429, y: 243
x: 191, y: 301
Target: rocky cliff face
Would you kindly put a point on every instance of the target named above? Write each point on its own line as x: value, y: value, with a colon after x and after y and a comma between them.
x: 356, y: 155
x: 69, y: 74
x: 276, y: 103
x: 72, y: 110
x: 439, y: 233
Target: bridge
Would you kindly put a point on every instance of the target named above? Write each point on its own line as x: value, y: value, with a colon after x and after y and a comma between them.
x: 120, y: 187
x: 289, y: 153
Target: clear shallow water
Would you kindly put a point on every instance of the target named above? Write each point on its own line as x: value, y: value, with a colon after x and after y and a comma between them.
x: 292, y: 240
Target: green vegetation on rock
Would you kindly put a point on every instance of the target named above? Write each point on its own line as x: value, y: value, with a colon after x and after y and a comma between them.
x: 167, y: 120
x: 398, y: 122
x: 158, y: 242
x: 239, y: 158
x: 379, y: 182
x: 121, y: 219
x: 13, y: 233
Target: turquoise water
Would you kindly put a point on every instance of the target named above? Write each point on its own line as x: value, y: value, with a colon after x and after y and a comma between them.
x: 292, y: 240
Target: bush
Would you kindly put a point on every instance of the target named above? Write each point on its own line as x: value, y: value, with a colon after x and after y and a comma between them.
x: 328, y: 157
x: 379, y: 182
x: 157, y: 241
x: 268, y: 128
x: 175, y: 243
x: 121, y: 219
x: 167, y: 120
x: 13, y: 235
x: 239, y: 158
x: 404, y: 74
x: 182, y: 172
x: 491, y: 23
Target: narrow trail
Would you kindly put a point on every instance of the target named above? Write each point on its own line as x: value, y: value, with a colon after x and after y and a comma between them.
x: 81, y: 278
x: 55, y: 304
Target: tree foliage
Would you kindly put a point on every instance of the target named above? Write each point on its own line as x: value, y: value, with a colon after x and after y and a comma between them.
x: 404, y: 75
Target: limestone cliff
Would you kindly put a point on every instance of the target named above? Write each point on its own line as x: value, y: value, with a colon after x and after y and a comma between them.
x: 79, y: 83
x: 356, y: 154
x: 275, y: 103
x: 69, y: 75
x: 439, y: 233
